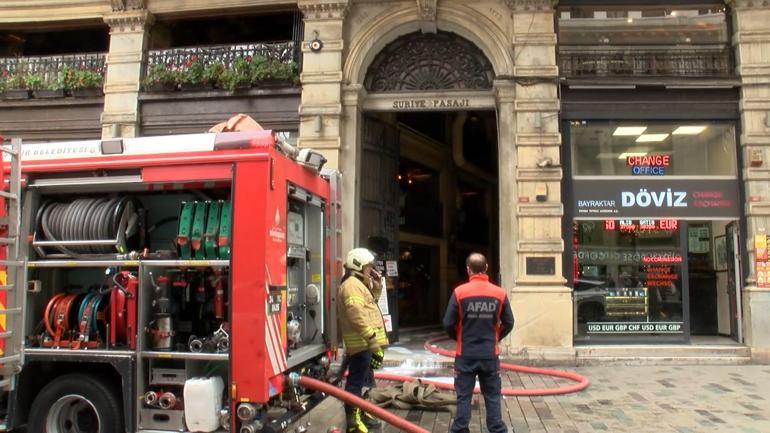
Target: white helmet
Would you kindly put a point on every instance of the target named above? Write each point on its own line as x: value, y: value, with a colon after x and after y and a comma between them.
x: 358, y: 258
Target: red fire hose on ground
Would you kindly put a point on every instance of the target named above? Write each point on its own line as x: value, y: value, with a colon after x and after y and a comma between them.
x: 359, y: 402
x: 431, y: 346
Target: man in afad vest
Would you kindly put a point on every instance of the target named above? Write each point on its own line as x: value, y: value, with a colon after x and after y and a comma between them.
x: 478, y: 317
x: 362, y: 329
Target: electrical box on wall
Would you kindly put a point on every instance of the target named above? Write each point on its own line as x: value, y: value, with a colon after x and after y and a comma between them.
x: 541, y: 192
x: 755, y: 157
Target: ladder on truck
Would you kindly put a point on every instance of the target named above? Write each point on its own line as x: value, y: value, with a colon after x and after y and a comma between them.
x: 12, y: 275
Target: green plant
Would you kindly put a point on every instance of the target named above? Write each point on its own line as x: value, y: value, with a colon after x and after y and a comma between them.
x: 193, y: 72
x: 237, y: 75
x: 34, y: 81
x: 87, y: 79
x: 260, y: 69
x: 57, y: 83
x: 16, y: 81
x: 212, y: 73
x: 163, y: 75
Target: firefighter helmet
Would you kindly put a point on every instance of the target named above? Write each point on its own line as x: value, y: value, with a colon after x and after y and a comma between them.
x: 358, y: 258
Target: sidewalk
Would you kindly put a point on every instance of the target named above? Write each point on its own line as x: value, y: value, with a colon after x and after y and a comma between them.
x: 637, y: 399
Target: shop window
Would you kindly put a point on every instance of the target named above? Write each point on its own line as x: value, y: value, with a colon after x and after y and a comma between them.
x: 641, y: 148
x: 627, y: 278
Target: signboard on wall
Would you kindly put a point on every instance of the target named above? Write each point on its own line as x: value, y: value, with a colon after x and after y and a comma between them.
x: 656, y: 197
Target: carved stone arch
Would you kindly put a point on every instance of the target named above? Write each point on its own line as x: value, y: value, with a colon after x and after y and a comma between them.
x: 429, y: 61
x: 465, y: 22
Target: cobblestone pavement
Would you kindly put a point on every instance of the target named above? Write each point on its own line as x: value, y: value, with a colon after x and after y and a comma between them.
x: 638, y: 399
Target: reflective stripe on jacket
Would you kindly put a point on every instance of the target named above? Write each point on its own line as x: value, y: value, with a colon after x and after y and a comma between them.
x: 478, y: 317
x: 359, y: 316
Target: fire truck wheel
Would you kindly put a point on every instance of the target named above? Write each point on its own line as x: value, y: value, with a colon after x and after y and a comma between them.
x: 76, y: 403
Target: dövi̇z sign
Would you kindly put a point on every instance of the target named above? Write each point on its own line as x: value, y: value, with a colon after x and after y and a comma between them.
x: 661, y: 197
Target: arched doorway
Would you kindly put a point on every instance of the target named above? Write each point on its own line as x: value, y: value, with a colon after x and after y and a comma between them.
x: 427, y: 174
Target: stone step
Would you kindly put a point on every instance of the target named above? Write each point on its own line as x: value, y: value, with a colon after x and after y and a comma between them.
x: 662, y: 355
x: 662, y: 360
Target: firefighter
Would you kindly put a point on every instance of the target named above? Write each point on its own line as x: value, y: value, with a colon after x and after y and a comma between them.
x: 478, y: 317
x: 362, y: 328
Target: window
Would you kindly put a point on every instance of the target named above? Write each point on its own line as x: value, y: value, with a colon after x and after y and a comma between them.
x: 627, y: 277
x: 675, y: 41
x: 631, y: 148
x: 637, y: 25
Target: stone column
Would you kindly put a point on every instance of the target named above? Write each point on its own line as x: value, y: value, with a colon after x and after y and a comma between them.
x: 541, y: 302
x: 752, y: 48
x: 128, y: 47
x: 320, y: 111
x: 505, y: 92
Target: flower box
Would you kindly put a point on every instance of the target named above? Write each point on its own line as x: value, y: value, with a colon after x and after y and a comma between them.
x: 89, y: 92
x: 48, y: 94
x: 160, y: 87
x: 16, y: 94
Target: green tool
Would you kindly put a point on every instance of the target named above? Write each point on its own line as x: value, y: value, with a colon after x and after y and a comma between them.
x: 198, y: 227
x: 211, y: 235
x: 225, y: 222
x: 185, y: 221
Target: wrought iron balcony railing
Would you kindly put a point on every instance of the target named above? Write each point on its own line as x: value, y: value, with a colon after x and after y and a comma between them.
x: 286, y: 52
x: 48, y: 67
x: 633, y: 62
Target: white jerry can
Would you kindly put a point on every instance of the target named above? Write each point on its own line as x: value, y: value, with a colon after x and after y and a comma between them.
x: 202, y: 403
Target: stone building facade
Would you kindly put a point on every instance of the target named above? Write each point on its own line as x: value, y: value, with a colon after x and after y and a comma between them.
x: 527, y: 91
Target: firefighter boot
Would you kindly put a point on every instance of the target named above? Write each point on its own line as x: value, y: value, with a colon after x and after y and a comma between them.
x: 353, y: 420
x: 372, y: 423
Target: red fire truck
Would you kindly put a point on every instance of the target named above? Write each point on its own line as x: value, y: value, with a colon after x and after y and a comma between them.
x: 165, y: 284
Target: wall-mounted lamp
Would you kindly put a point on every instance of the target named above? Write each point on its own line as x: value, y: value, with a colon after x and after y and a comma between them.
x: 316, y: 44
x: 317, y: 124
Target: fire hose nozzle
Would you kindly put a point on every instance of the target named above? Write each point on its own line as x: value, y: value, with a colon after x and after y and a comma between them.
x: 167, y: 400
x: 151, y: 398
x: 196, y: 345
x: 294, y: 379
x: 252, y: 427
x: 224, y: 419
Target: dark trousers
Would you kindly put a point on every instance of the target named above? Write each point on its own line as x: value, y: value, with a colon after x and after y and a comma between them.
x: 358, y: 371
x: 488, y: 372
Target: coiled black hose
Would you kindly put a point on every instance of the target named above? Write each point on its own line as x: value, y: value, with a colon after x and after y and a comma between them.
x: 86, y: 219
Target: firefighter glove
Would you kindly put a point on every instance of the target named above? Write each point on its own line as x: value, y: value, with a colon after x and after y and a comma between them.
x: 377, y: 357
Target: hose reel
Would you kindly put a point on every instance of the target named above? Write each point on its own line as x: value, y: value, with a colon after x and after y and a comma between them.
x: 89, y: 226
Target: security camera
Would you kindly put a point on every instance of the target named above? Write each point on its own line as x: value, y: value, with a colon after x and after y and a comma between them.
x: 544, y: 162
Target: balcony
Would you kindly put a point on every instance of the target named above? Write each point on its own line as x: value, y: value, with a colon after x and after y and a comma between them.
x: 227, y: 67
x: 52, y: 76
x: 190, y: 89
x: 51, y: 98
x: 620, y: 62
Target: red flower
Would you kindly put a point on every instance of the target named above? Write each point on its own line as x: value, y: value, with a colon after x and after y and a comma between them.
x: 5, y: 72
x: 193, y: 58
x: 248, y: 58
